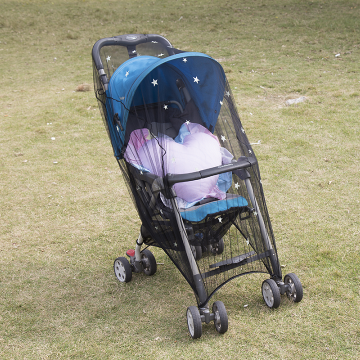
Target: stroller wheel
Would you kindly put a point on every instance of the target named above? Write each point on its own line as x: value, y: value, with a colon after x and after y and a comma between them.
x: 197, y: 252
x: 295, y: 293
x: 149, y: 262
x: 194, y: 322
x: 271, y: 293
x: 221, y: 318
x: 122, y: 269
x: 219, y: 247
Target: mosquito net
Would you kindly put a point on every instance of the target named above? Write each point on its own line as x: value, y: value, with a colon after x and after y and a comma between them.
x: 177, y: 115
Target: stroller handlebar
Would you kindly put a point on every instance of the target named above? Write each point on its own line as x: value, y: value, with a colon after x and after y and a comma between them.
x: 160, y: 184
x: 242, y: 163
x: 125, y: 40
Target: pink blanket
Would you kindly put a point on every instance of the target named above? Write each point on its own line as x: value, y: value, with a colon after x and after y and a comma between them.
x: 194, y: 149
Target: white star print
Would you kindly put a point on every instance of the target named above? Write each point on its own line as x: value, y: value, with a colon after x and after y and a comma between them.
x: 134, y: 51
x: 255, y: 213
x: 165, y: 107
x: 187, y: 122
x: 227, y: 93
x: 223, y: 138
x: 196, y: 79
x: 154, y: 82
x: 242, y: 130
x: 237, y: 185
x: 220, y: 219
x: 175, y: 244
x: 221, y: 102
x: 247, y: 241
x: 127, y: 74
x: 141, y: 172
x: 250, y: 152
x: 160, y: 55
x: 185, y: 60
x: 108, y: 58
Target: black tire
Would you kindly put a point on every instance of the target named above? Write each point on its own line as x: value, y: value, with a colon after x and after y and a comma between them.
x: 122, y: 269
x: 295, y: 294
x: 149, y: 262
x: 219, y: 247
x: 194, y: 322
x: 221, y: 319
x: 271, y: 293
x: 197, y: 252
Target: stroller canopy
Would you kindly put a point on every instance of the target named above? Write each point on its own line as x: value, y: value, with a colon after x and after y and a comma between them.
x: 146, y: 80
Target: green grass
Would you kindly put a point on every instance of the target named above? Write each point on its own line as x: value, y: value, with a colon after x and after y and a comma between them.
x: 62, y: 225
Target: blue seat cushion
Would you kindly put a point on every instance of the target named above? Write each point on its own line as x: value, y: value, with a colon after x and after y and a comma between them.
x: 199, y: 212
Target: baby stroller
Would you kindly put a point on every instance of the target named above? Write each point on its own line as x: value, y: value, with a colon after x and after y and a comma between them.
x: 190, y: 170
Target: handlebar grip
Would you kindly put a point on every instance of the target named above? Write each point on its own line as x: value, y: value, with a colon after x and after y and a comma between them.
x: 242, y: 163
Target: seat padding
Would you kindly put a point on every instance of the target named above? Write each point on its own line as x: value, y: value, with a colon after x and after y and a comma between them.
x: 199, y: 212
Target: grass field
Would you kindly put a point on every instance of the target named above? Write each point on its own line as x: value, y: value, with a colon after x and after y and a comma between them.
x: 65, y: 214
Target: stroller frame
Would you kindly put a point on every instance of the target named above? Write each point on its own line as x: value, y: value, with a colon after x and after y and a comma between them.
x: 152, y: 186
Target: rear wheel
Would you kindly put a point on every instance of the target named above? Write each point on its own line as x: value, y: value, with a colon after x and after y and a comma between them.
x: 194, y: 322
x: 122, y: 269
x: 219, y: 247
x: 149, y: 262
x: 221, y: 318
x: 271, y: 293
x: 197, y: 252
x: 295, y: 292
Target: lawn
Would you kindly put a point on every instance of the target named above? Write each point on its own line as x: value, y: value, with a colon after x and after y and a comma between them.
x: 65, y: 213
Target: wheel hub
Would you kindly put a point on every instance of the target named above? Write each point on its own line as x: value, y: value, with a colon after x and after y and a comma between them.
x: 292, y: 291
x: 268, y: 295
x: 217, y: 320
x: 120, y: 270
x: 190, y: 322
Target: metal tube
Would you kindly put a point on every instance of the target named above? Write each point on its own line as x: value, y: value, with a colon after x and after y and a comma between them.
x: 139, y: 242
x: 259, y: 216
x: 199, y: 283
x: 273, y: 258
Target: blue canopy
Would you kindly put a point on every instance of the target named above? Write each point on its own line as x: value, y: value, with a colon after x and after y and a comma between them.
x: 148, y: 80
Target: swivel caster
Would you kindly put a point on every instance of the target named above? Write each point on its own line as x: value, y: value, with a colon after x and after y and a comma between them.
x: 221, y: 318
x: 295, y: 290
x: 194, y: 322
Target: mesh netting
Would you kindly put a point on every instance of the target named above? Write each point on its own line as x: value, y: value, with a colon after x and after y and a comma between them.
x: 170, y: 132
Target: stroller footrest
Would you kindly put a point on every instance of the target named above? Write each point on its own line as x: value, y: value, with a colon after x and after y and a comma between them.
x: 233, y: 260
x: 232, y: 265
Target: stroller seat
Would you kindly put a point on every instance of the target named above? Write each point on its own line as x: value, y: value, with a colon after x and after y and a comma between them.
x: 198, y: 213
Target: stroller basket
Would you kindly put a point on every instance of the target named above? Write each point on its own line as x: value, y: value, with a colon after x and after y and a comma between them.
x: 190, y: 170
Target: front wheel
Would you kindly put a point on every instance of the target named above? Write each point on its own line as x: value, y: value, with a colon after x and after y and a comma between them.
x: 221, y: 319
x: 194, y: 322
x: 271, y: 293
x: 295, y: 291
